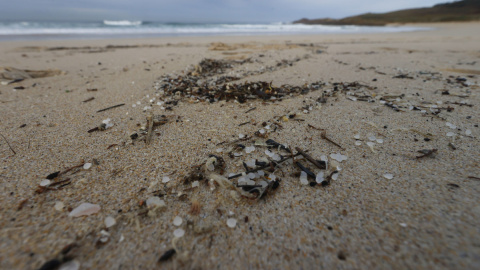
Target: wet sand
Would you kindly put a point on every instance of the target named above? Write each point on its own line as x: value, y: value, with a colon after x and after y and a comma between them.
x: 381, y: 99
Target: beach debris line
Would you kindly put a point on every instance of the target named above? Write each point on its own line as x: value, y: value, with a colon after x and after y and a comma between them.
x: 207, y: 82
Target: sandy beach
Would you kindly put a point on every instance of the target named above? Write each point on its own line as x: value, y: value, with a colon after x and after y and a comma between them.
x: 392, y: 118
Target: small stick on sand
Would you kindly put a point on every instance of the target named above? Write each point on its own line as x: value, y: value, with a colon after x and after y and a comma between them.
x: 8, y: 144
x: 111, y: 107
x: 323, y: 135
x: 251, y: 109
x: 311, y: 159
x: 150, y: 128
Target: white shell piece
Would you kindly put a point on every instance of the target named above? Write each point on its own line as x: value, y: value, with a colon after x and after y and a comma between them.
x: 388, y: 176
x: 85, y: 209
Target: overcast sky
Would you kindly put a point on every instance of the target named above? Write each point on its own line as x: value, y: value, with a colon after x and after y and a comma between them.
x: 197, y: 10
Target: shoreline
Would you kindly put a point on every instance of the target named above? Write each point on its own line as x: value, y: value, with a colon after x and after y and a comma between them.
x: 380, y: 98
x: 206, y: 31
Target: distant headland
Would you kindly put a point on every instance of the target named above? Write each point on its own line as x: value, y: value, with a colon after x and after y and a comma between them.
x: 465, y: 10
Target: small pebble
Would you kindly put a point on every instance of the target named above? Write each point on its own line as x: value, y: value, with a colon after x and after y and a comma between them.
x: 468, y: 132
x: 403, y: 224
x: 241, y: 136
x: 450, y: 134
x: 379, y: 140
x: 357, y: 137
x: 177, y: 221
x: 231, y: 222
x: 358, y: 143
x: 195, y: 184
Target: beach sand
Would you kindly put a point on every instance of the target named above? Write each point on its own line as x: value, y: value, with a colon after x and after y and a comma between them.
x: 384, y: 209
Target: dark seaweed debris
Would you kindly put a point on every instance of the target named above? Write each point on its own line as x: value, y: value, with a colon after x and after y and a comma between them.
x: 189, y: 87
x: 208, y: 82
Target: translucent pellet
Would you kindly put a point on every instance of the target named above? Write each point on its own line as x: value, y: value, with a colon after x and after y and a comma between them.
x: 303, y: 178
x: 231, y: 222
x: 45, y: 182
x: 110, y: 221
x: 87, y: 166
x: 320, y: 177
x: 179, y: 233
x: 177, y: 221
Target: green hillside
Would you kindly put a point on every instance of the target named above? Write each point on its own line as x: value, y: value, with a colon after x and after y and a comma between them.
x: 466, y: 10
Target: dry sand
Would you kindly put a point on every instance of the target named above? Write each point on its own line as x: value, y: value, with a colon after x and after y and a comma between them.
x: 426, y: 216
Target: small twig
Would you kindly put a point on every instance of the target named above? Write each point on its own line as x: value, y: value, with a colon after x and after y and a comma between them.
x: 93, y: 129
x: 473, y: 177
x: 426, y: 153
x: 305, y: 169
x: 311, y: 159
x: 8, y: 144
x: 71, y: 168
x: 111, y: 107
x: 244, y: 123
x: 150, y: 128
x: 315, y: 127
x: 323, y: 135
x: 251, y: 109
x: 87, y: 100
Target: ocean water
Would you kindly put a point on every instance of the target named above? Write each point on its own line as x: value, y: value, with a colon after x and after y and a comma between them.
x: 131, y: 29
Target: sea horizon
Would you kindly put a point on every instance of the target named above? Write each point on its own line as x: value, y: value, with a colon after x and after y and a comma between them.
x: 60, y: 30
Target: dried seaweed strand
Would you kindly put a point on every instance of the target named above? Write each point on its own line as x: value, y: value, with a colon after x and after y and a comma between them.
x: 263, y: 167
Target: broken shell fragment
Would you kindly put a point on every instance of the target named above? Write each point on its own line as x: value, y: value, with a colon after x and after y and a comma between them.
x: 85, y: 209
